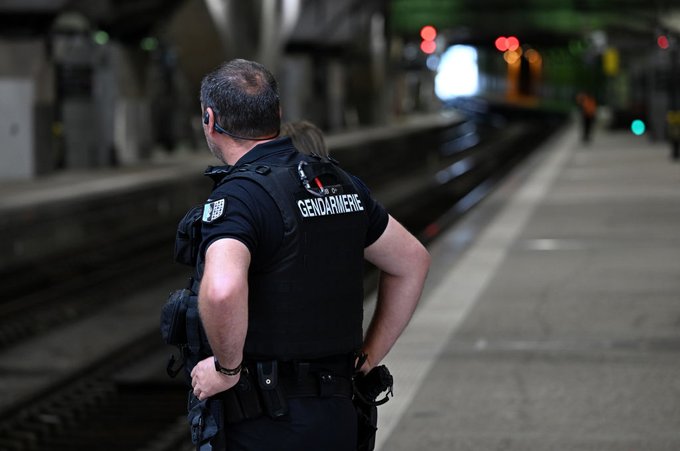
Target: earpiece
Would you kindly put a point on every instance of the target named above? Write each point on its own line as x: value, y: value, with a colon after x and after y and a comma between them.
x: 206, y: 118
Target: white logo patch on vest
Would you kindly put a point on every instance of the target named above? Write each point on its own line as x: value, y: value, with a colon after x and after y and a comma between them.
x: 214, y: 210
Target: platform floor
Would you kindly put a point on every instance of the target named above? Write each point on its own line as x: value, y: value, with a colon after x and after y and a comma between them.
x: 551, y: 319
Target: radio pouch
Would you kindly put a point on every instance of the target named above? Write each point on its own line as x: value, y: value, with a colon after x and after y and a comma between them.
x: 273, y: 398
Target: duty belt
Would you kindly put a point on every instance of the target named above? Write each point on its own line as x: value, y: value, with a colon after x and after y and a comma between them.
x: 265, y: 386
x: 321, y: 385
x: 320, y: 378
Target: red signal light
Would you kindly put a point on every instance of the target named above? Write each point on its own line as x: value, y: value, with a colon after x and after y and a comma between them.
x: 428, y: 47
x: 428, y: 44
x: 662, y: 42
x: 428, y: 33
x: 503, y: 44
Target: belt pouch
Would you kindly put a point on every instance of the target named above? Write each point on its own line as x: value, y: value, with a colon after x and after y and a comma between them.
x: 173, y: 318
x: 326, y: 384
x: 272, y: 395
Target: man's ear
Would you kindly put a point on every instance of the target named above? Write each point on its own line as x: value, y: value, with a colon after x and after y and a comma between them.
x: 209, y: 120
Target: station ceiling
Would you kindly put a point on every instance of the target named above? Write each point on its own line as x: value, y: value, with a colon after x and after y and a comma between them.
x: 626, y: 23
x: 123, y: 19
x: 554, y: 22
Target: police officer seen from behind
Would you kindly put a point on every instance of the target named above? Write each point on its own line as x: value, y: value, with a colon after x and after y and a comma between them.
x: 284, y: 238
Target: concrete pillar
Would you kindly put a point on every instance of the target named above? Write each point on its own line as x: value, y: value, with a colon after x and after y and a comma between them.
x: 256, y: 30
x: 379, y: 56
x: 26, y: 110
x: 294, y: 87
x: 335, y: 94
x: 73, y: 50
x: 132, y: 131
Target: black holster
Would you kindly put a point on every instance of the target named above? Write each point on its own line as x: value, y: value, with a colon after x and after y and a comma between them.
x: 366, y: 391
x: 367, y: 426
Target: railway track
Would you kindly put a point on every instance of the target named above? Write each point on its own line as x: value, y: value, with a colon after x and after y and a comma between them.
x: 121, y: 400
x: 52, y: 294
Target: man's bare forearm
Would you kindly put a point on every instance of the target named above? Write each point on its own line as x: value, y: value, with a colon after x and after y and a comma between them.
x: 404, y: 263
x: 225, y: 322
x: 397, y: 300
x: 223, y: 300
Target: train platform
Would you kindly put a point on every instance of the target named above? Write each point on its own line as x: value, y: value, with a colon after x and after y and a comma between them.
x: 63, y: 211
x: 551, y: 318
x: 61, y: 187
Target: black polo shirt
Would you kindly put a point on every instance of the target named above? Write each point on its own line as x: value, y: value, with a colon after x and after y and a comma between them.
x: 251, y: 216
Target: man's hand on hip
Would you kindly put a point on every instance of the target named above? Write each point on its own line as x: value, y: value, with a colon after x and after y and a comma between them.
x: 207, y: 382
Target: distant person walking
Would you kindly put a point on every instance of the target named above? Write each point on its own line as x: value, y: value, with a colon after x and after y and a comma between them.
x: 588, y: 108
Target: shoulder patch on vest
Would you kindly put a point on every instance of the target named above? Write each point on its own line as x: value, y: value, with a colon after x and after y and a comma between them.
x: 212, y: 211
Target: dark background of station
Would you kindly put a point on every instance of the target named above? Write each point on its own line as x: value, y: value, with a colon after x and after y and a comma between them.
x: 115, y: 82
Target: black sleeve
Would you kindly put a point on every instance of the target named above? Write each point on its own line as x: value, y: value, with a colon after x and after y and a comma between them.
x: 250, y: 216
x: 377, y: 215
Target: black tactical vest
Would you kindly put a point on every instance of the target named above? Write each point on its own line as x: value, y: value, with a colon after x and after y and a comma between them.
x: 309, y: 303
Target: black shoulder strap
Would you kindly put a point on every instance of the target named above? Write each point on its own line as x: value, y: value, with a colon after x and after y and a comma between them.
x: 244, y: 171
x: 272, y: 179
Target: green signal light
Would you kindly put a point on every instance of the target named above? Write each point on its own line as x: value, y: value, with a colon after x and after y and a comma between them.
x: 101, y: 37
x: 149, y: 44
x: 638, y: 127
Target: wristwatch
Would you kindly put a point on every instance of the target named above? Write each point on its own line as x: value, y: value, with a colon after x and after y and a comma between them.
x: 227, y: 371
